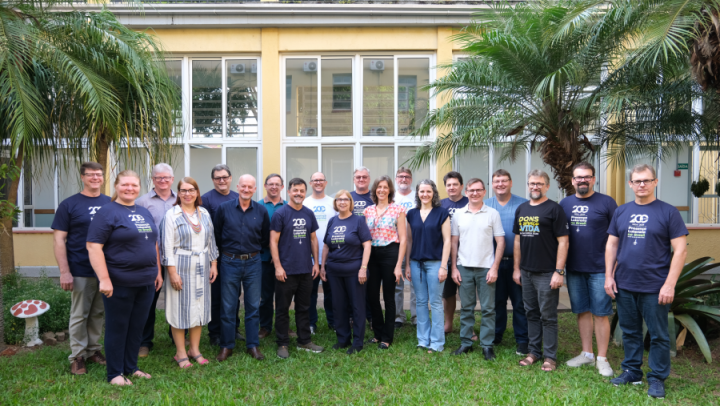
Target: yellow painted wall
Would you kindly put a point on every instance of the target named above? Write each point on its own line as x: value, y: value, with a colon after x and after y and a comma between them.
x: 704, y: 243
x: 210, y: 40
x: 34, y: 249
x: 331, y: 39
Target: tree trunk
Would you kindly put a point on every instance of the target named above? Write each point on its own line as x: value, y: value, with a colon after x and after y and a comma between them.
x: 7, y: 259
x: 101, y: 157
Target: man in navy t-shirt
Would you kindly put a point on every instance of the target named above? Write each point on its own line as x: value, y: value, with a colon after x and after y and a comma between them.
x: 70, y: 225
x: 647, y: 242
x: 222, y: 181
x: 361, y: 194
x: 589, y: 214
x: 294, y: 249
x: 455, y: 200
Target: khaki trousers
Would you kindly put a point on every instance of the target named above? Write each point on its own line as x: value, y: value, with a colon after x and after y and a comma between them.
x: 86, y: 317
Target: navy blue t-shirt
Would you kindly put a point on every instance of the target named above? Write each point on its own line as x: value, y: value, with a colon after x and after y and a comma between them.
x: 345, y: 237
x: 128, y: 243
x: 295, y: 228
x: 644, y: 250
x: 362, y: 202
x: 73, y: 216
x: 452, y: 206
x: 427, y: 238
x: 213, y: 199
x: 589, y: 219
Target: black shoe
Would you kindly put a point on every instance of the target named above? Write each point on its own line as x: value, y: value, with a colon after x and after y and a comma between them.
x: 398, y: 324
x: 215, y: 341
x: 489, y: 354
x: 464, y: 349
x: 522, y: 349
x: 339, y: 346
x: 239, y: 336
x: 353, y: 350
x: 497, y: 342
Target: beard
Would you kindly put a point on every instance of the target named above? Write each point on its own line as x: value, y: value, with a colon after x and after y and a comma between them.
x: 583, y: 188
x: 536, y: 195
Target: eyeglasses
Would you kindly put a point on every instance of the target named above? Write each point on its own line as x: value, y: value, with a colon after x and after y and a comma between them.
x: 93, y: 175
x: 163, y: 178
x: 536, y: 184
x: 404, y: 177
x: 362, y: 177
x: 221, y: 178
x: 318, y: 181
x: 642, y: 182
x: 582, y: 178
x: 342, y: 199
x: 187, y: 191
x: 473, y: 191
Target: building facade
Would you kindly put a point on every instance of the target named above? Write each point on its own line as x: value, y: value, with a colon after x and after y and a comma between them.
x: 272, y: 87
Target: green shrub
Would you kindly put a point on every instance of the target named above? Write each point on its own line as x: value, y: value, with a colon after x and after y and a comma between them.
x: 16, y: 289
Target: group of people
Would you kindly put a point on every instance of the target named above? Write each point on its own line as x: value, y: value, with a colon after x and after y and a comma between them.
x: 114, y: 254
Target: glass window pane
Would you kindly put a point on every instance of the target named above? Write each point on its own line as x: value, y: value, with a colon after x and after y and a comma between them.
x: 174, y: 70
x: 676, y: 189
x: 517, y: 169
x: 301, y: 87
x: 178, y: 163
x: 242, y: 161
x: 43, y: 192
x: 378, y: 96
x: 474, y: 164
x: 206, y: 99
x: 134, y: 159
x: 412, y: 100
x: 536, y: 162
x: 380, y: 161
x: 404, y: 154
x: 202, y: 159
x: 301, y: 162
x: 69, y: 182
x: 709, y: 204
x: 336, y: 98
x: 242, y: 98
x: 337, y: 166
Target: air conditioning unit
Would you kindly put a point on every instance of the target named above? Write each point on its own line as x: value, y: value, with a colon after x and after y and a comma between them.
x: 377, y: 64
x: 237, y: 68
x: 308, y: 132
x: 310, y: 67
x: 378, y: 131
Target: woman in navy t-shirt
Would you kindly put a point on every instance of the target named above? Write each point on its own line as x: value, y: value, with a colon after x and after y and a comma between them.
x: 429, y: 249
x: 344, y: 265
x: 122, y: 245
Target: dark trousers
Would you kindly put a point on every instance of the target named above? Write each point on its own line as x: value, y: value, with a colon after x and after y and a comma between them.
x: 505, y: 287
x: 327, y: 303
x: 266, y: 295
x: 148, y: 330
x: 348, y: 294
x: 215, y: 325
x: 633, y: 308
x: 126, y: 312
x: 299, y: 286
x: 381, y: 268
x: 541, y: 303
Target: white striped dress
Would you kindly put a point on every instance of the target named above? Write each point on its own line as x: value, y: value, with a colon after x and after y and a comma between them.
x: 190, y: 253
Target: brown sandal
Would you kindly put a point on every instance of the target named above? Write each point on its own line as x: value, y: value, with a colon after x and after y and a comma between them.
x: 529, y: 360
x: 549, y: 365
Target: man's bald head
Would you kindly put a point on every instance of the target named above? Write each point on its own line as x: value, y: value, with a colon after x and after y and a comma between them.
x: 246, y: 186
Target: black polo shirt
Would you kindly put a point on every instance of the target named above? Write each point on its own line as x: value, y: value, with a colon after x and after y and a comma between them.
x: 241, y: 232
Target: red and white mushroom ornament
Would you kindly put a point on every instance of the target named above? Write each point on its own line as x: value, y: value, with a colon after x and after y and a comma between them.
x: 30, y: 310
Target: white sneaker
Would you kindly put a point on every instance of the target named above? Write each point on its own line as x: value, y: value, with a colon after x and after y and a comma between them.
x: 580, y: 360
x: 604, y: 368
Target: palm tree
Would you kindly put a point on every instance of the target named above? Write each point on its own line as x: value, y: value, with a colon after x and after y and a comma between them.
x: 533, y: 80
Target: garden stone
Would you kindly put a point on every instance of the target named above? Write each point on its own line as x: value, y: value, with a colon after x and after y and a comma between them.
x: 30, y: 310
x: 49, y: 341
x: 48, y: 334
x: 60, y: 336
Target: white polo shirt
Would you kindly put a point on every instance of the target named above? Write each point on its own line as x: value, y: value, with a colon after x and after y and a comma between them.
x: 477, y: 231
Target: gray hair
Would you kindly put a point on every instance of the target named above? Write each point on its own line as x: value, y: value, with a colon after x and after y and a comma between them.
x: 539, y: 173
x: 220, y: 167
x: 435, y: 202
x: 162, y: 168
x: 642, y: 168
x: 361, y: 168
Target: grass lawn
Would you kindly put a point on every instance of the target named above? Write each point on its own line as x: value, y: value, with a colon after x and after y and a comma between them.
x: 401, y: 375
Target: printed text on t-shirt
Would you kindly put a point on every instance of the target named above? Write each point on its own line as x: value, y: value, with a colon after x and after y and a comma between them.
x: 638, y: 227
x: 529, y: 226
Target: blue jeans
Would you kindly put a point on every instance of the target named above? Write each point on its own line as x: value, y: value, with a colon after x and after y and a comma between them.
x: 587, y: 293
x: 505, y: 287
x: 428, y: 289
x: 267, y: 307
x: 633, y: 308
x: 248, y: 273
x: 327, y: 303
x: 215, y: 325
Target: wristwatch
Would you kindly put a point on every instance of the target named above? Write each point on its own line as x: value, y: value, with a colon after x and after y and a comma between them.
x: 560, y: 271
